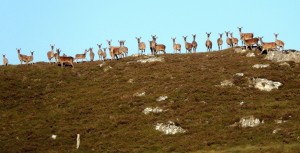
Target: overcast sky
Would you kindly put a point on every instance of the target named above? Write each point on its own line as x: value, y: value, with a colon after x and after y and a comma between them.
x: 74, y: 25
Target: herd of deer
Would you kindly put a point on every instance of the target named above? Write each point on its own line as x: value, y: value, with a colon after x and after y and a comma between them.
x: 121, y: 51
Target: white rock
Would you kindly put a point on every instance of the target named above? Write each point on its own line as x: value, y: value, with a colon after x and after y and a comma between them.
x: 140, y: 94
x: 250, y: 55
x: 250, y: 121
x: 239, y: 50
x: 276, y: 130
x: 242, y: 103
x: 54, y: 136
x: 284, y: 64
x: 239, y: 74
x: 155, y: 110
x: 130, y: 81
x: 152, y: 59
x: 259, y: 66
x: 162, y: 98
x: 169, y: 128
x: 227, y: 83
x: 107, y: 68
x: 265, y: 85
x: 277, y: 56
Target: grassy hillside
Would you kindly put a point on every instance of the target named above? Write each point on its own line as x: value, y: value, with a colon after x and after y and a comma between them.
x: 41, y: 100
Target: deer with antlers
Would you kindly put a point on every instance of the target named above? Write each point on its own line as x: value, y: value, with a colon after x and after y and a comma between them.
x: 208, y: 43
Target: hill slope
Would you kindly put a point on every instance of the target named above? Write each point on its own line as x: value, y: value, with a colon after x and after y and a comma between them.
x: 99, y: 104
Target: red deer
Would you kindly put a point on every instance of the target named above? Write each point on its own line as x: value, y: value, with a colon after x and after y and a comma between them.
x: 100, y: 53
x: 50, y: 54
x: 176, y: 47
x: 279, y: 43
x: 81, y: 56
x: 63, y: 60
x: 30, y: 58
x: 152, y: 44
x: 188, y: 46
x: 104, y: 54
x: 228, y: 40
x: 5, y: 60
x: 267, y: 46
x: 194, y: 43
x: 220, y: 41
x: 111, y: 48
x: 244, y: 36
x: 208, y: 43
x: 123, y: 49
x: 250, y: 42
x: 234, y: 40
x: 22, y: 58
x: 159, y: 47
x: 92, y: 54
x: 141, y: 45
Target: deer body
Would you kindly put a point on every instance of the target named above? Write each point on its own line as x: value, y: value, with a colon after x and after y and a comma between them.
x: 176, y: 47
x: 208, y: 43
x: 81, y: 56
x: 279, y: 43
x: 194, y: 43
x: 5, y: 60
x: 50, y: 54
x: 245, y: 36
x: 188, y: 46
x: 141, y: 45
x: 220, y: 41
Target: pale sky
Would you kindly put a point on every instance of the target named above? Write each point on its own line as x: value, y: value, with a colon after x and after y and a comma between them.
x: 74, y: 25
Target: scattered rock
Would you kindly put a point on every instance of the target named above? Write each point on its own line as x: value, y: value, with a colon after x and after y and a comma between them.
x: 259, y: 66
x: 276, y: 130
x: 285, y: 64
x: 239, y: 74
x: 264, y: 84
x: 155, y: 110
x: 169, y: 128
x: 130, y: 81
x: 227, y: 83
x: 54, y: 136
x: 250, y: 121
x: 140, y: 94
x: 239, y: 50
x: 250, y: 55
x: 277, y: 56
x: 242, y: 103
x: 162, y: 98
x: 152, y: 59
x: 105, y: 69
x: 280, y: 121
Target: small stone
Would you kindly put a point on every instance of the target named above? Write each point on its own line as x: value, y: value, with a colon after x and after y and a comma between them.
x: 53, y: 136
x: 250, y: 55
x: 259, y: 66
x: 162, y: 98
x: 239, y: 74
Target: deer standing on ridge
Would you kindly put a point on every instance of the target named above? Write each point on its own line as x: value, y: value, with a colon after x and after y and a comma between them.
x: 194, y: 43
x: 234, y: 40
x: 208, y: 43
x: 279, y: 43
x: 5, y: 60
x: 176, y: 47
x: 50, y: 54
x: 141, y: 45
x: 228, y: 40
x: 220, y: 41
x: 244, y: 36
x: 188, y: 46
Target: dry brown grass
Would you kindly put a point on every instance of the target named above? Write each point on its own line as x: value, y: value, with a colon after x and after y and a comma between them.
x: 40, y: 100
